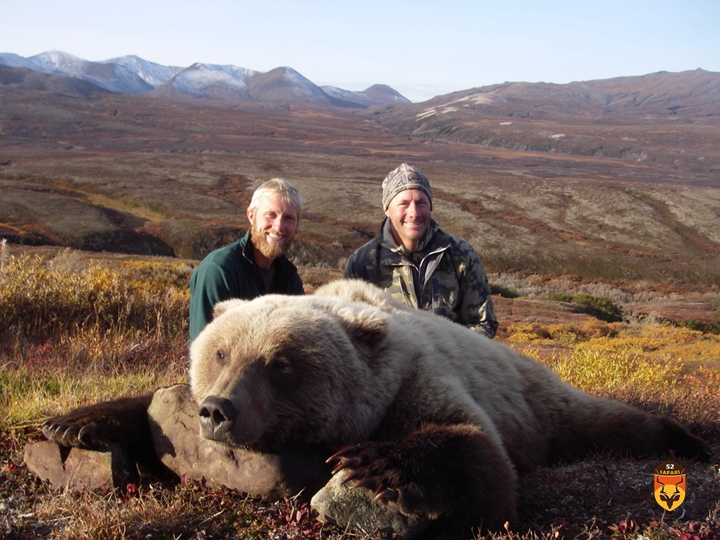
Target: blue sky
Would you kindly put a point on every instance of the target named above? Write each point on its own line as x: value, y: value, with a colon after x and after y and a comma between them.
x: 421, y: 48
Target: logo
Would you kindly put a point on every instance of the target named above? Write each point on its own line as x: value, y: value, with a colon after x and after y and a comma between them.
x: 669, y: 485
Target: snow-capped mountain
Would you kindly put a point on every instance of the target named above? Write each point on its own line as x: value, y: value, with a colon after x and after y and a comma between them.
x: 151, y: 73
x: 125, y: 75
x: 208, y: 81
x: 286, y: 85
x: 14, y: 60
x: 133, y: 75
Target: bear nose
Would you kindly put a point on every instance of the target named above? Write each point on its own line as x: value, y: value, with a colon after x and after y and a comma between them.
x: 217, y: 416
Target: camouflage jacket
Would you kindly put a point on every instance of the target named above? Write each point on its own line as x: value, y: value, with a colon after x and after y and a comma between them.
x: 444, y: 276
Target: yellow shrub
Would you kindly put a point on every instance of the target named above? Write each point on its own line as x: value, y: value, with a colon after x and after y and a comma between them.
x: 39, y: 297
x: 660, y: 341
x: 618, y: 374
x: 524, y: 337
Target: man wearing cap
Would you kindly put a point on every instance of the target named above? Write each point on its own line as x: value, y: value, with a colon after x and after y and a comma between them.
x: 418, y: 263
x: 256, y: 263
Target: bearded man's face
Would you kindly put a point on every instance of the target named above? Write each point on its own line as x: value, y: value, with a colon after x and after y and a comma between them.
x: 273, y: 225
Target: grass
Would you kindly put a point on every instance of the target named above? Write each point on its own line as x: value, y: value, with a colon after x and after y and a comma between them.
x: 75, y: 330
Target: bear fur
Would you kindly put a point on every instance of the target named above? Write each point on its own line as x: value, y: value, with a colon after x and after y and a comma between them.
x: 434, y: 420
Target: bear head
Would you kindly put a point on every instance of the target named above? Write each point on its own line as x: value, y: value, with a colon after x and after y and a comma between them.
x: 277, y: 371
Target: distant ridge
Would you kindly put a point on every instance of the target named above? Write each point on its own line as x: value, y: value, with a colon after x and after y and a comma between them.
x: 56, y: 84
x: 133, y: 75
x: 377, y: 94
x: 601, y: 118
x: 661, y: 93
x: 286, y: 85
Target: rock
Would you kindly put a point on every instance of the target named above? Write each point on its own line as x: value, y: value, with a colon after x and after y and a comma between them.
x: 73, y: 468
x: 178, y: 444
x: 345, y: 506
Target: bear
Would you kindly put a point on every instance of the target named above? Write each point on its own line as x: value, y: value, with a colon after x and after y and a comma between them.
x: 432, y: 419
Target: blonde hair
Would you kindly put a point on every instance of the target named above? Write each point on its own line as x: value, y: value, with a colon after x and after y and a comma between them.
x: 280, y: 188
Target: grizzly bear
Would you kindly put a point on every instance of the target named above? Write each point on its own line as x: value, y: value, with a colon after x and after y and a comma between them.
x: 433, y: 419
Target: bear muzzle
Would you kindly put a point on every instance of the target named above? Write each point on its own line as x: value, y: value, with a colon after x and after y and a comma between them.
x: 233, y: 421
x: 217, y: 418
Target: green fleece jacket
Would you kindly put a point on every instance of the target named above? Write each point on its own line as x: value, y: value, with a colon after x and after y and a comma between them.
x: 231, y: 272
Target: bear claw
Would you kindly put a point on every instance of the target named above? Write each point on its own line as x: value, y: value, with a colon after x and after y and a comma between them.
x: 387, y: 496
x: 367, y: 483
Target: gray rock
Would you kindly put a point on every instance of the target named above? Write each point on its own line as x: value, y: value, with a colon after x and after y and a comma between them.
x: 73, y: 468
x: 345, y: 507
x: 179, y: 445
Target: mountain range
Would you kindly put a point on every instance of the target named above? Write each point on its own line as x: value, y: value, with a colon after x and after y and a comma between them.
x: 665, y: 118
x: 134, y: 75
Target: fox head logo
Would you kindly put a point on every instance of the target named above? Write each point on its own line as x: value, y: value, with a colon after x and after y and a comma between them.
x: 669, y: 485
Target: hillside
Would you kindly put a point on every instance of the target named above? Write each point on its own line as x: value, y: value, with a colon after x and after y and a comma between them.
x: 668, y: 119
x: 130, y: 173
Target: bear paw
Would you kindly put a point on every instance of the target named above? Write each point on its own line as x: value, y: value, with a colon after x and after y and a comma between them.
x: 95, y: 427
x: 380, y: 469
x: 71, y: 432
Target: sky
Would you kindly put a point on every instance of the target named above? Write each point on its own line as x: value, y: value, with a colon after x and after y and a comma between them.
x: 421, y: 48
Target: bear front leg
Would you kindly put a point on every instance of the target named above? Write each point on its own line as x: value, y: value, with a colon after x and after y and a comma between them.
x: 437, y: 472
x: 123, y: 422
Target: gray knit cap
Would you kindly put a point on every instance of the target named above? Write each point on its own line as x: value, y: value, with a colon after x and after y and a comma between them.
x: 404, y: 177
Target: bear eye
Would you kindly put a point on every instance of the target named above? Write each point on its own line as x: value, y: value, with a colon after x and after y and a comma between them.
x: 220, y: 357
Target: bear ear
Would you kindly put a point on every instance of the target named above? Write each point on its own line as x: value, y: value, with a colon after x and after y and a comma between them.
x: 226, y: 305
x: 367, y: 329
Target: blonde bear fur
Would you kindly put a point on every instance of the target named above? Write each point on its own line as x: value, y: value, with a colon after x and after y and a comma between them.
x: 433, y: 419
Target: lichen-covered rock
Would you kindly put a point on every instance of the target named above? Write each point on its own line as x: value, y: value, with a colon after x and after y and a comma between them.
x: 341, y: 505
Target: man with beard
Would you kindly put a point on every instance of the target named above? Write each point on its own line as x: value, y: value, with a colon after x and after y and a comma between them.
x: 248, y: 269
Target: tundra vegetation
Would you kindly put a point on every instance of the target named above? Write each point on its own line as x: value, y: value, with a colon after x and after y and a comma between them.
x: 76, y: 328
